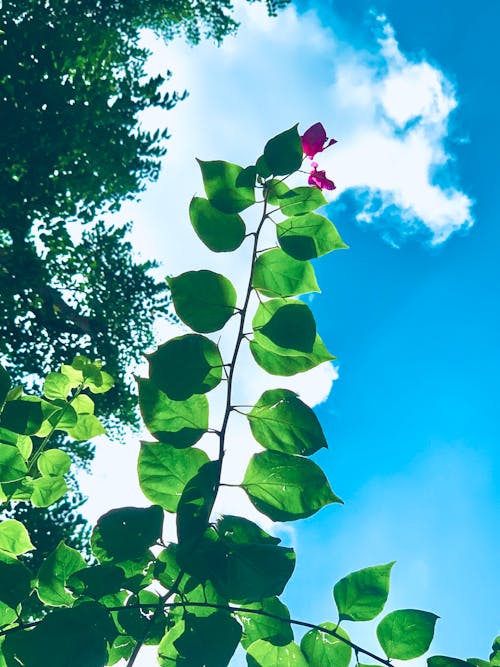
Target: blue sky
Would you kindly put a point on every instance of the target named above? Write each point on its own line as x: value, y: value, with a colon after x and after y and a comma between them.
x: 411, y: 310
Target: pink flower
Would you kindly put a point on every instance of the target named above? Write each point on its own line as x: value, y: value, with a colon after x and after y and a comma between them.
x: 314, y: 140
x: 319, y: 179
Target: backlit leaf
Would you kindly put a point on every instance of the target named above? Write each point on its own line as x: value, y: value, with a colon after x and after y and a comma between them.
x: 127, y: 533
x: 53, y: 462
x: 178, y: 423
x: 291, y: 326
x: 273, y: 630
x: 56, y: 385
x: 203, y: 300
x: 283, y: 153
x: 219, y: 179
x: 219, y: 231
x: 325, y: 649
x: 12, y: 464
x: 361, y: 595
x: 186, y: 365
x: 196, y: 502
x: 290, y: 362
x: 407, y: 633
x: 164, y: 471
x: 264, y: 654
x: 278, y: 274
x: 47, y: 490
x: 308, y: 236
x: 285, y: 487
x: 55, y: 572
x: 301, y: 200
x: 281, y: 421
x: 14, y: 538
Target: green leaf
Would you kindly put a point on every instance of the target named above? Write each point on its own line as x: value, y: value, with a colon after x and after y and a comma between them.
x: 48, y: 490
x: 325, y: 649
x: 308, y: 236
x: 292, y: 326
x: 76, y: 637
x: 301, y: 200
x: 285, y: 328
x: 285, y: 487
x: 203, y: 300
x: 201, y: 640
x: 262, y: 168
x: 278, y: 274
x: 219, y: 180
x: 290, y: 362
x: 127, y: 533
x: 273, y: 630
x: 14, y: 538
x: 121, y: 648
x: 221, y: 232
x: 139, y: 623
x: 177, y: 423
x: 99, y: 383
x: 86, y: 428
x: 53, y: 463
x: 281, y: 421
x: 96, y: 581
x: 254, y: 566
x: 83, y: 404
x: 8, y: 616
x: 5, y: 384
x: 407, y: 633
x: 445, y: 661
x: 196, y: 503
x: 186, y: 365
x: 361, y: 595
x: 24, y: 417
x: 12, y: 464
x: 263, y: 654
x: 164, y: 472
x: 65, y: 418
x: 283, y: 153
x: 55, y: 572
x: 15, y: 581
x: 477, y: 662
x: 56, y: 385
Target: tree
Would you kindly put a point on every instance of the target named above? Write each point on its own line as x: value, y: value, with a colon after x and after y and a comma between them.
x: 73, y: 87
x: 218, y: 584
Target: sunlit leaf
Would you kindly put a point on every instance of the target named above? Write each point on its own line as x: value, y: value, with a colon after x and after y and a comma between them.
x: 285, y: 487
x: 221, y: 232
x: 255, y: 626
x: 283, y: 153
x: 53, y: 462
x: 361, y: 595
x: 12, y: 464
x: 186, y: 365
x: 264, y: 654
x: 301, y: 200
x: 14, y: 538
x: 219, y: 179
x: 325, y: 649
x: 204, y: 300
x: 47, y: 490
x: 308, y: 236
x: 406, y: 633
x: 178, y: 423
x: 281, y: 421
x: 55, y: 572
x: 164, y: 471
x: 278, y: 274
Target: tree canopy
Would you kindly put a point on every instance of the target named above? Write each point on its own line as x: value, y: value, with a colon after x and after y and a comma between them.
x: 74, y: 83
